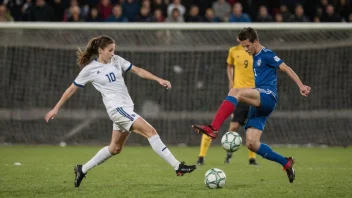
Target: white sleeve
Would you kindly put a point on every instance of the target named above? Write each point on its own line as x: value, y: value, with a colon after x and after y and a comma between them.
x: 82, y: 78
x: 125, y: 65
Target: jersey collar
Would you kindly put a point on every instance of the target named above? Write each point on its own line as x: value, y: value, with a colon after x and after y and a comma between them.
x: 259, y: 51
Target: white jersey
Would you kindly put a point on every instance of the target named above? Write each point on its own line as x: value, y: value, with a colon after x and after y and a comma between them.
x: 108, y: 80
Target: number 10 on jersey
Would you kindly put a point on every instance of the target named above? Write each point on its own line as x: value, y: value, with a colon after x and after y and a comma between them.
x: 111, y: 77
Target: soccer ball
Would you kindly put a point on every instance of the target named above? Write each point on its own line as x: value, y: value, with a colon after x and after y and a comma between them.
x: 215, y: 178
x: 231, y: 141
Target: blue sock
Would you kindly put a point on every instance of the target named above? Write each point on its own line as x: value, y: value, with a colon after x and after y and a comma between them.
x: 232, y: 99
x: 266, y: 152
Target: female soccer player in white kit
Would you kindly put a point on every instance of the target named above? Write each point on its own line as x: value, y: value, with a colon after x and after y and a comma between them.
x: 105, y: 73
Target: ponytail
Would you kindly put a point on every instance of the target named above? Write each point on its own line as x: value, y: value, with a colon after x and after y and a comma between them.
x: 84, y: 57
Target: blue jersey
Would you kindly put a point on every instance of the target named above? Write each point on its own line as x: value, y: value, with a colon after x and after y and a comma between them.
x: 265, y: 65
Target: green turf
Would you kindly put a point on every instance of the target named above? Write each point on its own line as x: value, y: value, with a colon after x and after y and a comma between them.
x: 47, y: 171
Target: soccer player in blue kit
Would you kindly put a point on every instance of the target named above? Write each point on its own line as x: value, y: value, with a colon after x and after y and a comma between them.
x: 262, y: 99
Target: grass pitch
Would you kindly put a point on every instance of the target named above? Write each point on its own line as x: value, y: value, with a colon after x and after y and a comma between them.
x: 47, y: 171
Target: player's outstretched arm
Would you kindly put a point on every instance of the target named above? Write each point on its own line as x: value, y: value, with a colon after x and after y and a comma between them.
x: 147, y: 75
x: 68, y: 93
x: 304, y: 89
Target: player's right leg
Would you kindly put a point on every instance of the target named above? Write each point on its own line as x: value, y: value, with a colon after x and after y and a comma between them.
x: 142, y: 127
x: 118, y: 140
x: 245, y: 95
x: 239, y: 118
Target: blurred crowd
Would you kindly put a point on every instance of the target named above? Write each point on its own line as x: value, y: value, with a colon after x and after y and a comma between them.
x: 232, y: 11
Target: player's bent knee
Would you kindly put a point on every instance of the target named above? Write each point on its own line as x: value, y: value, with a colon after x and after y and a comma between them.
x: 150, y: 132
x: 115, y: 150
x: 240, y: 96
x: 153, y: 132
x: 234, y: 92
x: 252, y: 145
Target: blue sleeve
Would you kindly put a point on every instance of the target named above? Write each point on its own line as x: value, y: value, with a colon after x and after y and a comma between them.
x: 272, y: 59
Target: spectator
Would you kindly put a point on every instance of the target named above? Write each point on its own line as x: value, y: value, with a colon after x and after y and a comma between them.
x: 263, y: 15
x: 279, y: 18
x: 105, y: 8
x: 299, y: 14
x: 210, y: 16
x: 159, y: 5
x: 331, y: 15
x: 175, y: 16
x: 59, y: 9
x: 144, y: 15
x: 146, y: 3
x: 94, y: 16
x: 222, y: 9
x: 158, y: 16
x: 67, y: 13
x: 344, y: 9
x: 75, y: 15
x: 14, y: 8
x: 117, y: 15
x: 238, y: 15
x: 130, y: 9
x: 85, y: 10
x: 41, y: 12
x: 5, y: 16
x: 176, y: 4
x: 316, y: 19
x: 321, y: 7
x: 26, y: 10
x: 286, y: 14
x: 203, y: 5
x: 349, y: 18
x: 194, y: 15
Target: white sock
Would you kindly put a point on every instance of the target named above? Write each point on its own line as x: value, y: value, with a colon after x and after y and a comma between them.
x: 102, y: 155
x: 160, y: 148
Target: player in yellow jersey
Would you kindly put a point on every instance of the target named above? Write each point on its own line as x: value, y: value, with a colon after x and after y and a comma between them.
x: 240, y: 75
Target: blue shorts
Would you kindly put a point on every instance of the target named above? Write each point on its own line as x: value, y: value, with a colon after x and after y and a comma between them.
x: 257, y: 115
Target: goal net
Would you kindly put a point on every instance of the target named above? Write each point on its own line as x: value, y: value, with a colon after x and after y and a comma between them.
x: 37, y: 64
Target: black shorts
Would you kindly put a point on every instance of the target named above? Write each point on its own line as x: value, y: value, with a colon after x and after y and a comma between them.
x: 240, y: 114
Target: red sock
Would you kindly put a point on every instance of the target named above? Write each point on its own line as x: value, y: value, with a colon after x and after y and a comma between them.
x: 224, y: 111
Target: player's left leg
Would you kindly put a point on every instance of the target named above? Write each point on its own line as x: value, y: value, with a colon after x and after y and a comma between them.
x: 142, y: 127
x: 118, y: 140
x: 253, y: 143
x: 255, y: 125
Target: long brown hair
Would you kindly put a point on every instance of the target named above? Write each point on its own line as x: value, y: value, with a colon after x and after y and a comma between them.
x: 85, y: 57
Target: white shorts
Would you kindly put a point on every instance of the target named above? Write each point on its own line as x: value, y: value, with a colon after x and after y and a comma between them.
x: 123, y: 118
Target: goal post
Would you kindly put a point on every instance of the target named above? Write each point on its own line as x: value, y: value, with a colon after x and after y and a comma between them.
x: 37, y: 62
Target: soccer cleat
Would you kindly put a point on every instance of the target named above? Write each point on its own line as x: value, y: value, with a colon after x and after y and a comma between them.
x: 228, y: 157
x: 252, y: 161
x: 200, y: 160
x: 207, y: 130
x: 289, y: 169
x: 183, y: 168
x: 79, y: 175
